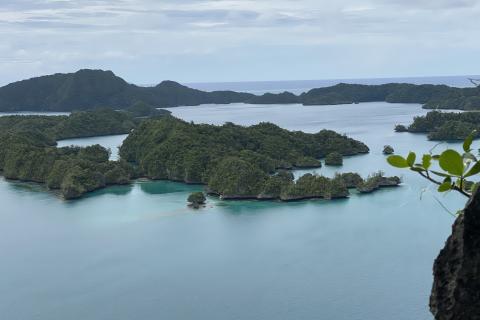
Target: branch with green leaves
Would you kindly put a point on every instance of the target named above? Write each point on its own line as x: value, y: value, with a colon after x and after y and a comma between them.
x: 456, y: 168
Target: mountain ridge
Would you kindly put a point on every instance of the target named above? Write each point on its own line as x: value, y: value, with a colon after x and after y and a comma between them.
x: 90, y: 89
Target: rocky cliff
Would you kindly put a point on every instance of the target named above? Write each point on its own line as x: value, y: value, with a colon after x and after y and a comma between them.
x: 456, y: 287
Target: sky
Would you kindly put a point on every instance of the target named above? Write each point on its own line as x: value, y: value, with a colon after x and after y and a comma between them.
x: 146, y: 41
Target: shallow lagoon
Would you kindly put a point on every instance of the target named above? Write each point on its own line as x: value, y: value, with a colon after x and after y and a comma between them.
x: 138, y: 251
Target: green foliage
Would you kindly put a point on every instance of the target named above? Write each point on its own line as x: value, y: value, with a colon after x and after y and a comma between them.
x: 236, y: 178
x: 99, y: 122
x: 29, y: 155
x: 456, y: 167
x: 432, y: 96
x: 141, y: 109
x: 376, y: 181
x: 277, y: 184
x: 446, y: 125
x: 95, y: 153
x: 313, y: 186
x: 307, y: 162
x: 196, y: 198
x: 48, y: 129
x: 350, y: 179
x: 91, y: 89
x: 275, y: 98
x: 334, y: 159
x: 173, y: 149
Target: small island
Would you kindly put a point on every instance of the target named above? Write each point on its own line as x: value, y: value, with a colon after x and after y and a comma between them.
x: 196, y: 200
x: 444, y: 126
x: 388, y: 149
x: 401, y: 128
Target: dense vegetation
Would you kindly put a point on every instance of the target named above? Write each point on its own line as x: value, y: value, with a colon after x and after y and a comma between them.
x: 170, y: 148
x: 28, y: 151
x: 431, y: 96
x: 196, y: 199
x: 72, y: 170
x: 237, y: 162
x: 229, y: 184
x: 80, y: 124
x: 90, y: 89
x: 233, y: 161
x: 446, y: 125
x: 334, y: 159
x: 377, y: 181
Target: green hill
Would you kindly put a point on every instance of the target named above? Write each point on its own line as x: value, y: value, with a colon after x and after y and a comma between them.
x: 90, y: 89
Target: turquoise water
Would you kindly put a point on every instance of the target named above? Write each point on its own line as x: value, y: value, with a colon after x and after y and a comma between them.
x: 138, y: 252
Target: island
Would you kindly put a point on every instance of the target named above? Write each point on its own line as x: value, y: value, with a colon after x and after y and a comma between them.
x: 28, y: 149
x: 232, y: 161
x: 446, y: 125
x: 388, y: 149
x: 196, y: 199
x: 90, y: 89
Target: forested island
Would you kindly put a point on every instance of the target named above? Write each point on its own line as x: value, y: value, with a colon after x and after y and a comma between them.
x: 444, y: 125
x: 234, y: 162
x: 89, y: 89
x: 28, y: 149
x: 237, y: 162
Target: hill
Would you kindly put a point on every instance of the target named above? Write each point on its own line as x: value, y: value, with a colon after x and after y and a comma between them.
x: 91, y: 89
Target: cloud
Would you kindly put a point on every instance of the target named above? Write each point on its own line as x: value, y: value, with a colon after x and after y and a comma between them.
x: 149, y: 40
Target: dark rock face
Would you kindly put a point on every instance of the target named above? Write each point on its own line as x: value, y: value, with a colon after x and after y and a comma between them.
x: 456, y: 287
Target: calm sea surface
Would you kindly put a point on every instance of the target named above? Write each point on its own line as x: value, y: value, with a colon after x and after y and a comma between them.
x: 138, y: 252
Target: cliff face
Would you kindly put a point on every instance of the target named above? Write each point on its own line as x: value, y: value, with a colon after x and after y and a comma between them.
x: 456, y: 287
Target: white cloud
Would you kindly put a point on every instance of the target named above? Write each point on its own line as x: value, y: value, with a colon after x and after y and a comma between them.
x: 149, y: 40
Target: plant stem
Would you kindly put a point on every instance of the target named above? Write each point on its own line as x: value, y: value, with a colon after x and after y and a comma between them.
x: 427, y: 176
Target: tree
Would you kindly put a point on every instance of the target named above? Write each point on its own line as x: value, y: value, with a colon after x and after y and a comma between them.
x: 456, y: 169
x: 196, y: 199
x: 334, y: 159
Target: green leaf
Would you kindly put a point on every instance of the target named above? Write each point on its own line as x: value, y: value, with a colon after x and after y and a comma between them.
x: 397, y: 161
x: 467, y: 144
x: 452, y: 162
x: 474, y: 170
x: 411, y: 158
x: 426, y: 161
x: 444, y: 187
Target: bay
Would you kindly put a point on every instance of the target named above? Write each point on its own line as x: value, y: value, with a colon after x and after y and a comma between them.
x: 138, y: 251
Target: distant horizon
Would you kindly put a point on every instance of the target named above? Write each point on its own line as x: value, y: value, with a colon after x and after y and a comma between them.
x: 240, y: 40
x: 339, y: 79
x: 325, y: 79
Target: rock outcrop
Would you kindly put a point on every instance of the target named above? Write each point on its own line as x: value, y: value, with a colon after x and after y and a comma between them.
x: 456, y: 288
